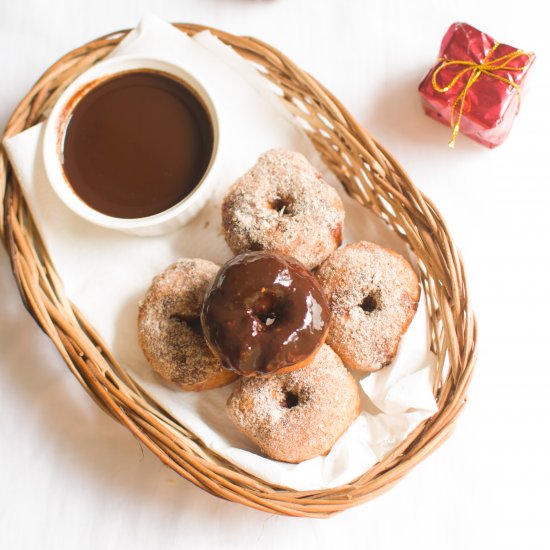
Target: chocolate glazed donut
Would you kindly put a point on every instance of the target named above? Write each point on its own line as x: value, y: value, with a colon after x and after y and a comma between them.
x: 264, y: 313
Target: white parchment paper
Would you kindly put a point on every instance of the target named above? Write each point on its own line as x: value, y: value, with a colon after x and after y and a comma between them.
x: 106, y: 273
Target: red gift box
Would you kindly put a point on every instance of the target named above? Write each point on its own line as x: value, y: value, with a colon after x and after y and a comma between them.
x: 475, y: 85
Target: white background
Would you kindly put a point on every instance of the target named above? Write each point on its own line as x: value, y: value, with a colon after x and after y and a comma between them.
x: 72, y: 478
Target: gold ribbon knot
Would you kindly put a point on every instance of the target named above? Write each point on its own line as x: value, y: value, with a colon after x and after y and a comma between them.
x: 486, y: 67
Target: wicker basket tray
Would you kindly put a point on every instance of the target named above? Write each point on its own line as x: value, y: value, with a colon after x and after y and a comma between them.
x: 369, y: 174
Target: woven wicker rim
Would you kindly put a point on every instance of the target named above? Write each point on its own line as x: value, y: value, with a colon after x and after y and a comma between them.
x: 369, y: 173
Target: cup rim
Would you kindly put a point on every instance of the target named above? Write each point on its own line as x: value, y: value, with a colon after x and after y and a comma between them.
x: 86, y: 82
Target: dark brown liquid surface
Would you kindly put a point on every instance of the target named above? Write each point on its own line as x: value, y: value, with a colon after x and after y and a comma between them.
x: 264, y: 312
x: 137, y: 144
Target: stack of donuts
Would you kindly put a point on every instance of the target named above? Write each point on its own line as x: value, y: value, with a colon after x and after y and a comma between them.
x: 286, y: 317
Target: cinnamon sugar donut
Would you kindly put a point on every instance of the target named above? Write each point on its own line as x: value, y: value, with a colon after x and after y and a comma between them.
x: 169, y: 329
x: 299, y: 415
x: 283, y: 205
x: 373, y: 293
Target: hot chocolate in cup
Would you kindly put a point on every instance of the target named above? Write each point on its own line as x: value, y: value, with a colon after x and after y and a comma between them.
x: 132, y: 144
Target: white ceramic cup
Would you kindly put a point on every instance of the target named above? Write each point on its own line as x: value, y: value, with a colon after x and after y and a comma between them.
x: 157, y: 224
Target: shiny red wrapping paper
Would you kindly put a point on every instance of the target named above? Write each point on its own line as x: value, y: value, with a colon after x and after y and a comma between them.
x: 491, y: 102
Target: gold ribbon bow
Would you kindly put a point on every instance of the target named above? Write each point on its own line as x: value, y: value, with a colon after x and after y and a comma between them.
x: 486, y: 67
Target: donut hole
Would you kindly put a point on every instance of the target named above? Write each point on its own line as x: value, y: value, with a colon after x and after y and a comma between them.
x: 194, y: 323
x: 268, y: 310
x: 267, y: 318
x: 290, y: 399
x: 283, y: 206
x: 371, y: 302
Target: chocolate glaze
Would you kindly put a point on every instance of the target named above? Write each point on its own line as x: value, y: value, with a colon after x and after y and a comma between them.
x: 264, y: 312
x: 136, y: 144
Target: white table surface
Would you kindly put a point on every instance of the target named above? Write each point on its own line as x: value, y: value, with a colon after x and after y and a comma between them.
x: 70, y: 477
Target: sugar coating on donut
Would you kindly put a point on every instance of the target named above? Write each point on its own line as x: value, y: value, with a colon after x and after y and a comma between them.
x: 373, y: 293
x: 284, y: 205
x: 297, y: 416
x: 169, y: 329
